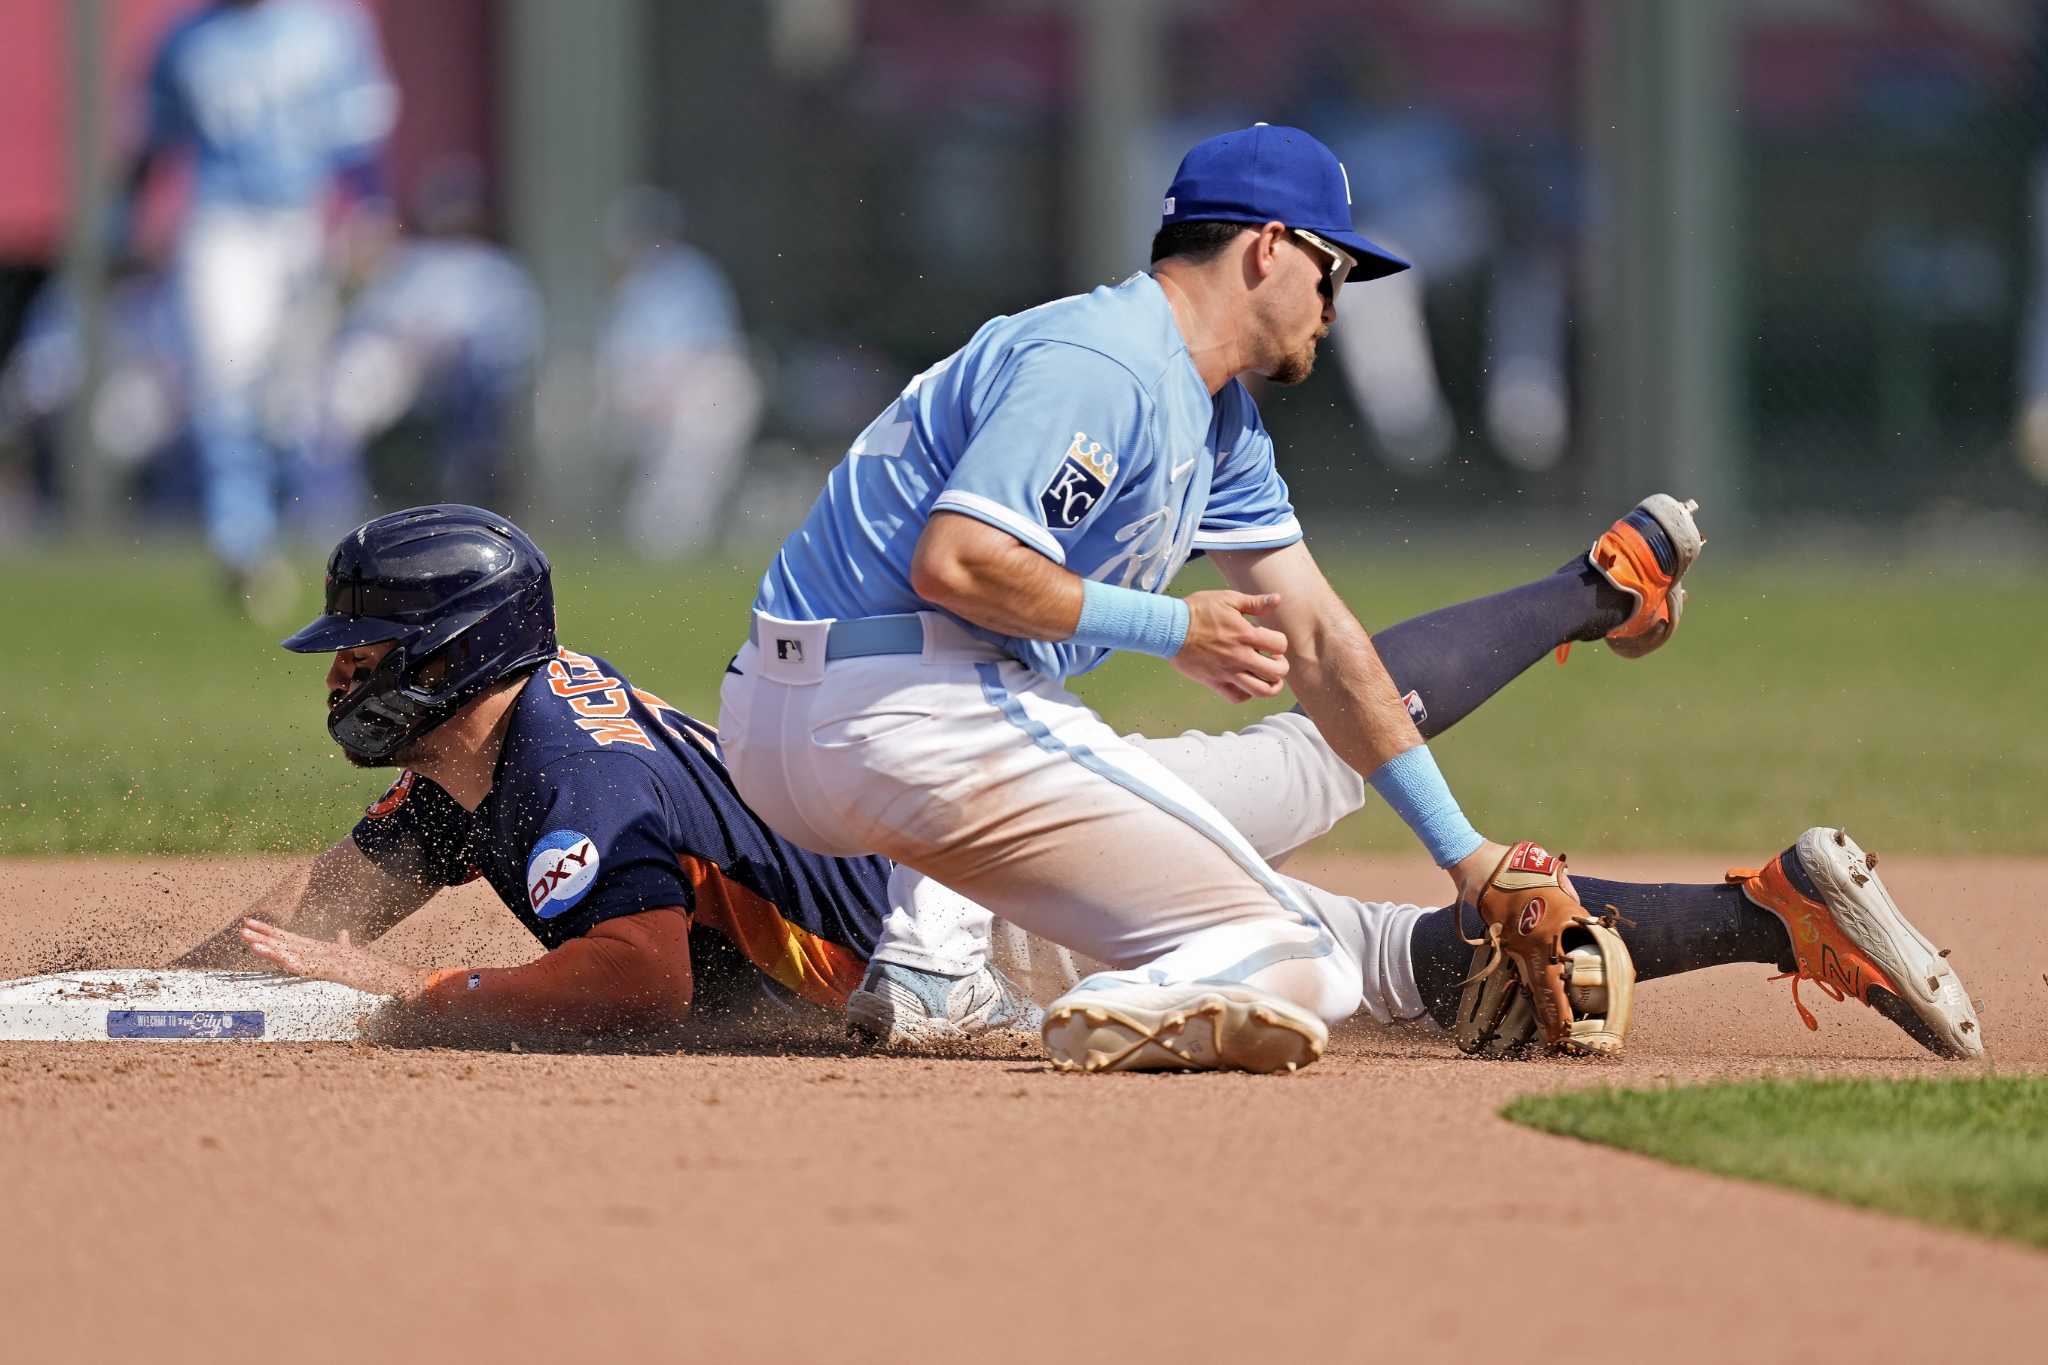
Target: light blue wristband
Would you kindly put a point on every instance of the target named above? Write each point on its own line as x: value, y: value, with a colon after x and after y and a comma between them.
x: 1411, y: 784
x: 1124, y: 618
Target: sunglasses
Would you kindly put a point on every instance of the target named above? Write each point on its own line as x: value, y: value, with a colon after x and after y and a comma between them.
x: 1342, y: 263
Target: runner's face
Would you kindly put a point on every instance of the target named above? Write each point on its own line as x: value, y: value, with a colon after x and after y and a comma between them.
x: 351, y: 667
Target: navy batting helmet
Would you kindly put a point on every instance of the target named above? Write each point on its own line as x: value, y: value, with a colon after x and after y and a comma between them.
x: 465, y: 597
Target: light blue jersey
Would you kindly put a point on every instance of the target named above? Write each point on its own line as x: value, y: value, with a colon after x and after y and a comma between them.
x: 1081, y: 428
x: 675, y: 298
x: 272, y: 98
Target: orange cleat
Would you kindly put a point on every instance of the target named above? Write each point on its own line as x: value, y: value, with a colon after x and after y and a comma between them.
x: 1849, y: 938
x: 1624, y: 557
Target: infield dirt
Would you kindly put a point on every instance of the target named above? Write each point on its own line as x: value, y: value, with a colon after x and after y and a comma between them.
x: 226, y: 1202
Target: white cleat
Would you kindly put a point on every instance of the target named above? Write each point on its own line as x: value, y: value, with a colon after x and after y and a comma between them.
x: 1197, y: 1026
x: 905, y: 1009
x: 1850, y: 938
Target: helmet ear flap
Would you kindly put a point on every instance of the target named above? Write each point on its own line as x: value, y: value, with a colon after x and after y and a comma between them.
x: 442, y: 633
x: 465, y: 655
x: 430, y: 674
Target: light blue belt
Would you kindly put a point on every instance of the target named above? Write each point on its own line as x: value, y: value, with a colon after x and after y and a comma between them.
x: 864, y: 637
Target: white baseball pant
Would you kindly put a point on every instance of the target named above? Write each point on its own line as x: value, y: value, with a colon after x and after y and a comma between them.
x: 996, y: 782
x: 257, y: 313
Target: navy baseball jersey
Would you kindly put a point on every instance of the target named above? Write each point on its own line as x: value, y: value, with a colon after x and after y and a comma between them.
x: 1081, y: 428
x: 608, y: 801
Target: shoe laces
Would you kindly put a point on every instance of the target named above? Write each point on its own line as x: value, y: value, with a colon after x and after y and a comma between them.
x: 1825, y: 987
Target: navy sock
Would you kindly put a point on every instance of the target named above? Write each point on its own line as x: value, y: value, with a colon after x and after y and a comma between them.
x: 1670, y: 928
x: 1456, y: 658
x: 1442, y: 961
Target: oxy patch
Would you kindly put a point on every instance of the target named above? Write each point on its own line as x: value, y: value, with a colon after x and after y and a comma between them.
x: 1081, y: 481
x: 560, y: 872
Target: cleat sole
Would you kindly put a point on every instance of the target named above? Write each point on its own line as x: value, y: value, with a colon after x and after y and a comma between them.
x: 1944, y: 1020
x: 1217, y: 1028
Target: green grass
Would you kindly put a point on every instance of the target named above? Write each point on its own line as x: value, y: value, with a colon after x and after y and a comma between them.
x: 1971, y: 1153
x: 138, y: 715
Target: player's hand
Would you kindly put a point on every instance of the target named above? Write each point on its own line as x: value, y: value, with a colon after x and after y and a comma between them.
x: 1470, y: 873
x: 340, y: 961
x: 1227, y: 652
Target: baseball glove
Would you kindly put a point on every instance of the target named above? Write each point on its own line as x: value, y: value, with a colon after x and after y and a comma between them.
x: 1572, y: 982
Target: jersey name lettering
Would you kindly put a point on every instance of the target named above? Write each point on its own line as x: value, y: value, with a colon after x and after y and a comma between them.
x: 577, y: 677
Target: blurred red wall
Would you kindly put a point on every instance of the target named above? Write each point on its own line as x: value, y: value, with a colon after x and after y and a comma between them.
x: 441, y: 54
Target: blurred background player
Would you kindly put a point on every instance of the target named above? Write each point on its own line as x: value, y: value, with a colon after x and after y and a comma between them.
x: 138, y: 413
x: 280, y: 104
x: 2032, y: 435
x: 1496, y: 229
x: 434, y: 354
x: 678, y: 391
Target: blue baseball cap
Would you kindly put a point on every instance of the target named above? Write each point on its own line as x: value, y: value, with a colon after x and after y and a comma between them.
x: 1267, y: 173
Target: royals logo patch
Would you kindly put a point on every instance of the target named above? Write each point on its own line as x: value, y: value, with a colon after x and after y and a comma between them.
x: 560, y: 872
x: 1081, y: 481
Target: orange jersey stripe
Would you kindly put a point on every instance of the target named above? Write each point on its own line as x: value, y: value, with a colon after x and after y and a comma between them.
x: 817, y: 969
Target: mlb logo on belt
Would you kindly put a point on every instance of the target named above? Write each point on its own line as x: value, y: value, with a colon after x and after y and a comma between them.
x: 1081, y: 481
x: 790, y: 651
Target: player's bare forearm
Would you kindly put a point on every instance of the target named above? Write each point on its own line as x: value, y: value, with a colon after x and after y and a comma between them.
x: 339, y: 891
x: 631, y: 971
x: 1339, y: 678
x: 991, y: 578
x: 1333, y: 667
x: 224, y: 947
x: 988, y: 576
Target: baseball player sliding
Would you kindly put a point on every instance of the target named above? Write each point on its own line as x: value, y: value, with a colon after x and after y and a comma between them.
x: 607, y: 823
x: 1015, y: 516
